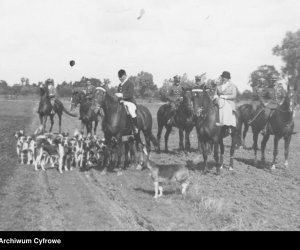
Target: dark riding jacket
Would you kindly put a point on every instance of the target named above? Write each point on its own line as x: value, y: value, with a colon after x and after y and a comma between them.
x: 127, y: 89
x: 176, y: 91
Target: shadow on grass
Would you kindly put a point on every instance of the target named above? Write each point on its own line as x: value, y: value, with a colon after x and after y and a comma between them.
x: 199, y: 166
x: 145, y: 191
x: 250, y: 162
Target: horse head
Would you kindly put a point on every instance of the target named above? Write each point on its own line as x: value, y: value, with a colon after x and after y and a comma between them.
x: 44, y: 92
x: 188, y: 100
x: 201, y: 102
x: 75, y: 100
x: 100, y: 95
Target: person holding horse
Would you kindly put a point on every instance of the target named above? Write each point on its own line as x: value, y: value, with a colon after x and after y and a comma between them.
x: 175, y: 97
x: 226, y: 97
x: 125, y: 93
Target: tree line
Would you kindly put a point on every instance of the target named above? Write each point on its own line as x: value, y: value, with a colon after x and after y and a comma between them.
x: 265, y: 76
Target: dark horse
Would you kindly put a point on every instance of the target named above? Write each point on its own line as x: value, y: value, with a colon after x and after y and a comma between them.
x: 117, y: 124
x: 280, y: 124
x: 208, y: 133
x: 87, y: 113
x: 45, y: 109
x: 183, y: 121
x: 246, y: 113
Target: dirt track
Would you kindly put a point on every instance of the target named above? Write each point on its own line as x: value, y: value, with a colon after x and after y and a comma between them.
x: 247, y: 199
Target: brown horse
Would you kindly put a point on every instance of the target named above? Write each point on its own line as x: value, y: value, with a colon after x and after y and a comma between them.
x: 45, y: 108
x: 280, y: 123
x: 183, y: 119
x: 209, y: 134
x: 247, y: 112
x: 117, y: 123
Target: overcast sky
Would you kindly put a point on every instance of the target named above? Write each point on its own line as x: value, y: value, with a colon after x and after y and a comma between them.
x: 40, y: 37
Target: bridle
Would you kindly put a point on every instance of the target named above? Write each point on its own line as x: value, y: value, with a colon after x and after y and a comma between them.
x: 202, y: 111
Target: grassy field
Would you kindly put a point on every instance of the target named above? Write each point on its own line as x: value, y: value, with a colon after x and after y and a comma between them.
x: 249, y: 198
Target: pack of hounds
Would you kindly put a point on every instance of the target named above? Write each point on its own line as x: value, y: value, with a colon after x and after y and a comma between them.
x: 68, y: 152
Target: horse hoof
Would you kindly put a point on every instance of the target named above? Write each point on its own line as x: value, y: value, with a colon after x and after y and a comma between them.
x: 119, y: 173
x: 286, y: 165
x: 139, y: 167
x: 230, y: 168
x: 222, y: 166
x: 103, y: 173
x: 273, y: 167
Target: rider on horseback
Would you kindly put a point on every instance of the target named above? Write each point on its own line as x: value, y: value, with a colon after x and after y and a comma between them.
x: 270, y: 98
x: 49, y: 84
x: 226, y: 97
x: 90, y: 91
x: 126, y: 93
x: 175, y: 97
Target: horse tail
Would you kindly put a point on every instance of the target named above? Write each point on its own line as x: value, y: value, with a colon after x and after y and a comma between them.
x: 67, y: 112
x: 153, y: 140
x: 64, y: 109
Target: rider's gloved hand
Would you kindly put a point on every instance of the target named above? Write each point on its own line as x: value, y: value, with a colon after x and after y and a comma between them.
x: 120, y: 95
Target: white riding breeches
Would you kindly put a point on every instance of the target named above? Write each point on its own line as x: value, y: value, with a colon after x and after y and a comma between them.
x: 131, y: 107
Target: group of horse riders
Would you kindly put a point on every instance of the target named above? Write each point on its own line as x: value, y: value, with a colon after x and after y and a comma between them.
x: 224, y: 96
x: 125, y: 93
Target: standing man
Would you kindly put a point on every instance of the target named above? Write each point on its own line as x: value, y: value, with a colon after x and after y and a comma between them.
x: 226, y: 96
x: 175, y: 97
x: 126, y: 93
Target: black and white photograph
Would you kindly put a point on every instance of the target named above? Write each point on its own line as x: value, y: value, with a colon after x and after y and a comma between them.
x: 147, y: 115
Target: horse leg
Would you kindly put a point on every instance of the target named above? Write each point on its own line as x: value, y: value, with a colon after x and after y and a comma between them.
x: 51, y: 123
x: 255, y: 148
x: 275, y: 151
x: 222, y: 149
x: 232, y: 149
x: 82, y: 127
x: 126, y: 149
x: 246, y: 127
x: 187, y: 140
x: 204, y: 148
x: 120, y: 153
x: 95, y: 127
x: 41, y: 123
x: 287, y: 141
x: 59, y: 122
x: 181, y: 148
x: 89, y: 126
x: 216, y: 157
x: 263, y: 146
x: 199, y: 142
x: 167, y: 138
x: 44, y: 123
x: 160, y: 128
x: 148, y: 142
